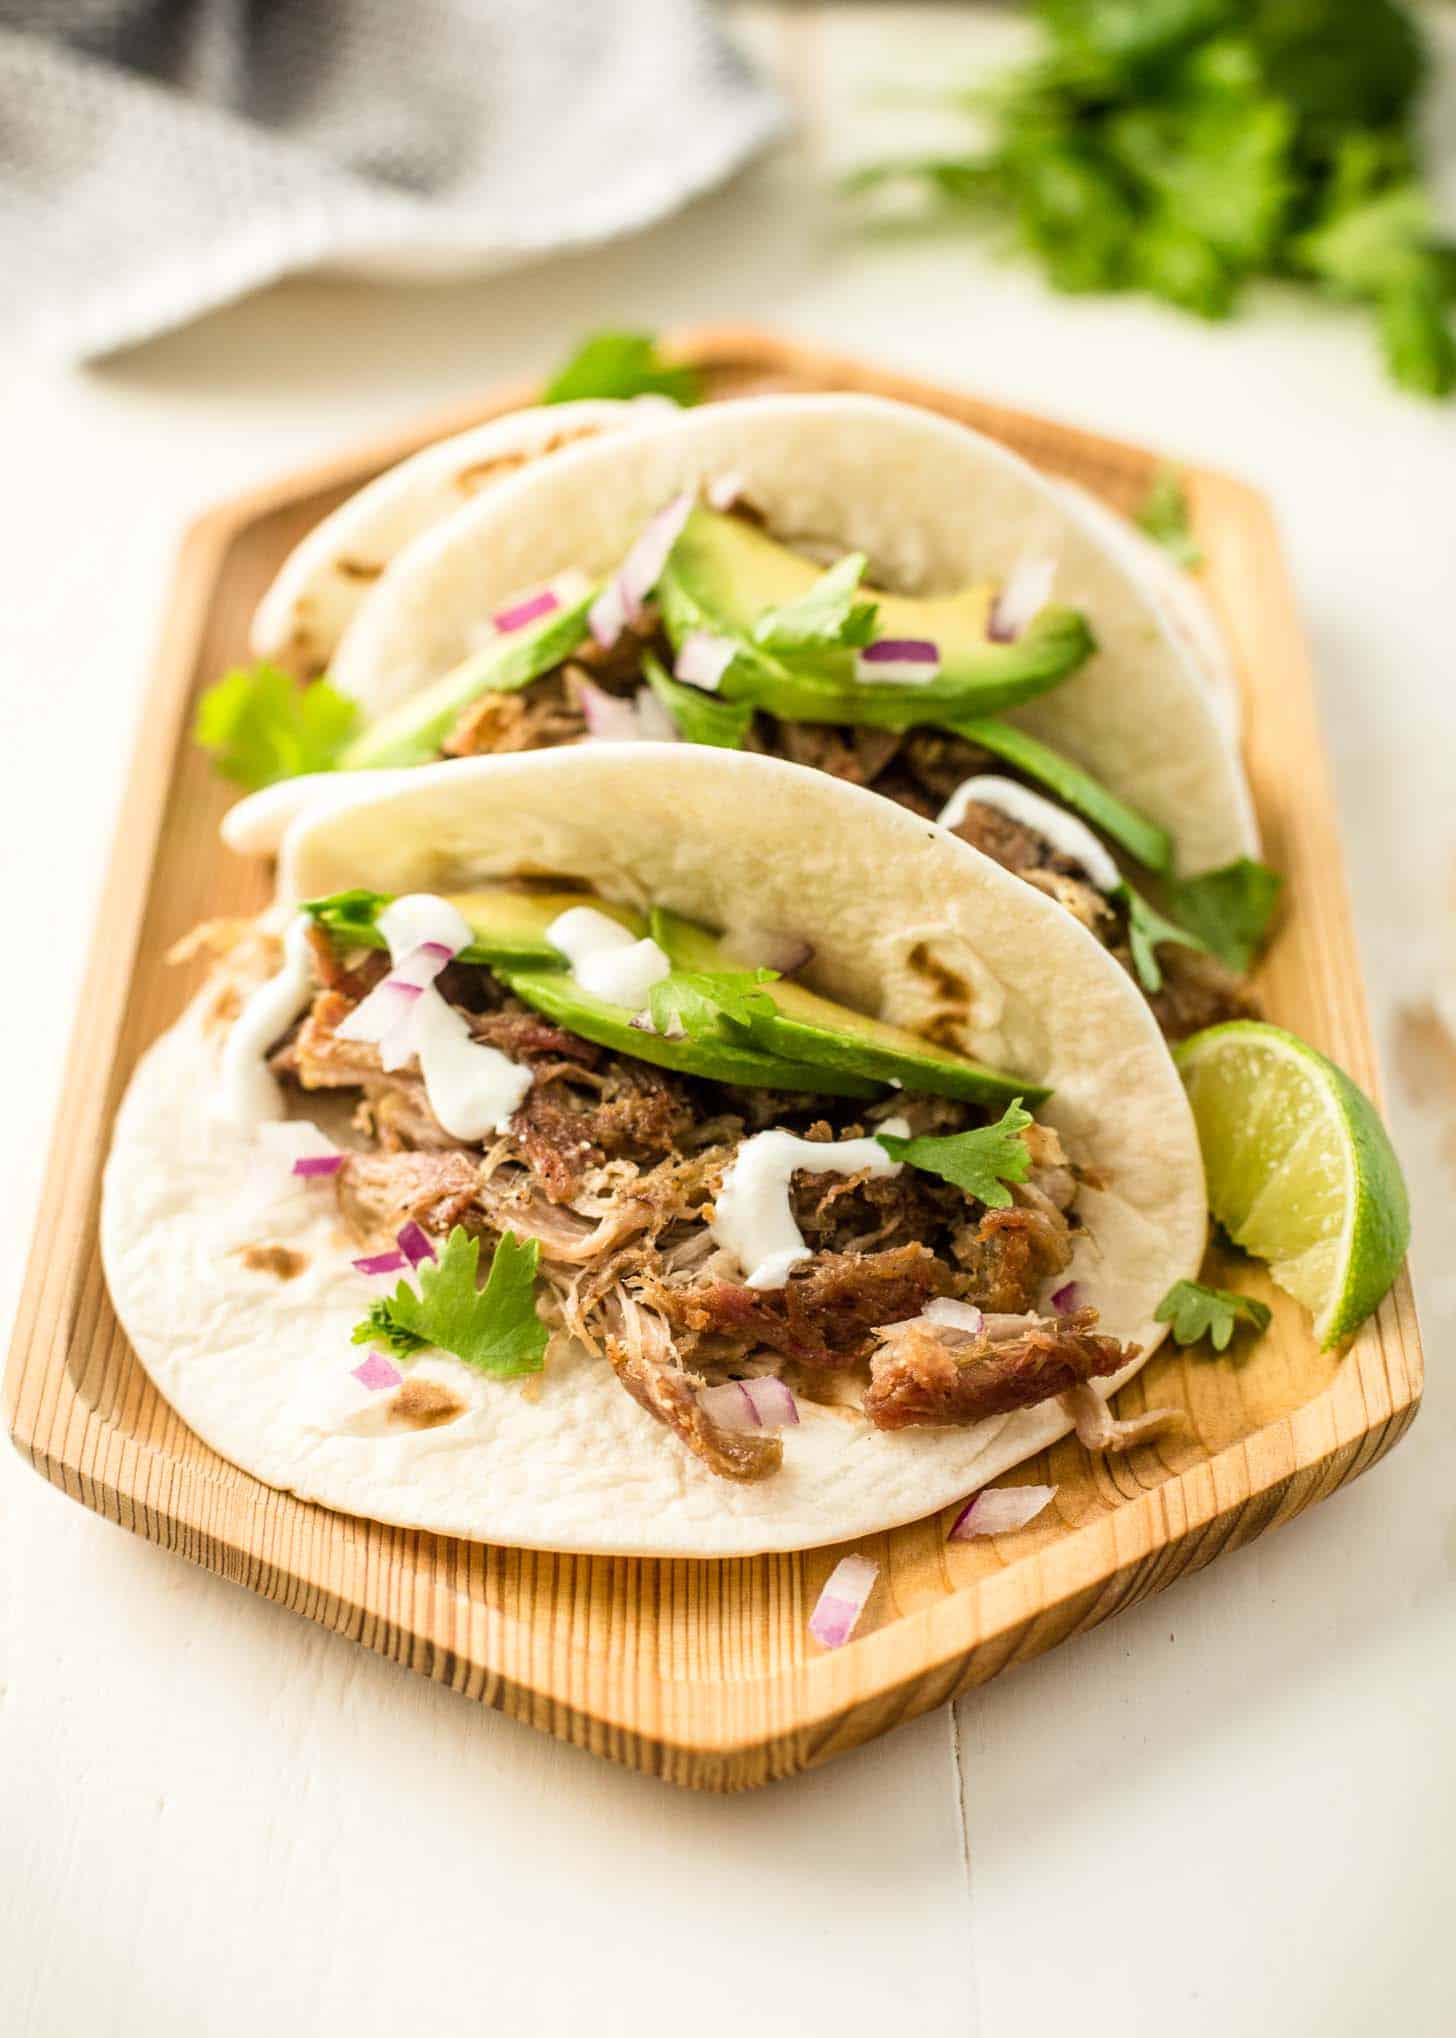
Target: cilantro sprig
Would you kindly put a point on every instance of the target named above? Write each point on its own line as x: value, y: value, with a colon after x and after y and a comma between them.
x: 699, y: 1002
x: 1164, y: 516
x: 1195, y: 1312
x: 261, y: 725
x: 1230, y: 909
x: 981, y: 1162
x: 826, y: 617
x: 1184, y: 148
x: 495, y: 1329
x: 622, y: 365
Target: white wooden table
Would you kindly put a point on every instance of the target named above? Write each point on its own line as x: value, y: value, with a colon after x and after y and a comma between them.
x: 1228, y: 1811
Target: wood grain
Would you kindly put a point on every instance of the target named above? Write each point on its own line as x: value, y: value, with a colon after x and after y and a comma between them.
x: 700, y: 1672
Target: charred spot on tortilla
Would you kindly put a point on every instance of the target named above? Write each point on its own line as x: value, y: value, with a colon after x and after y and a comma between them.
x: 359, y: 569
x: 944, y: 980
x: 282, y: 1261
x: 470, y: 480
x: 424, y: 1404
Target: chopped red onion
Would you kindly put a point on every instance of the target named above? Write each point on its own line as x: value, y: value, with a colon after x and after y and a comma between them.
x: 704, y: 659
x: 750, y: 1404
x: 318, y: 1164
x: 654, y: 723
x: 381, y: 1263
x: 386, y: 1005
x: 955, y: 1315
x: 376, y: 1372
x: 622, y: 600
x: 999, y: 1511
x: 1067, y: 1298
x: 421, y: 966
x: 608, y: 719
x: 724, y: 490
x: 522, y: 612
x: 898, y: 661
x: 413, y: 1243
x: 642, y: 568
x: 1027, y: 591
x: 842, y: 1601
x: 607, y: 616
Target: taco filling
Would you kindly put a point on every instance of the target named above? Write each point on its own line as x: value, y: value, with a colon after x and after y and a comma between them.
x: 722, y: 1191
x: 713, y: 632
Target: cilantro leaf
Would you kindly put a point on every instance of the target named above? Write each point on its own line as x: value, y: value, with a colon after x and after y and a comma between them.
x: 1147, y: 929
x: 699, y: 717
x: 826, y: 617
x: 495, y: 1329
x: 349, y: 917
x: 1164, y: 516
x: 696, y: 1002
x: 980, y: 1162
x: 1229, y: 909
x: 261, y: 725
x: 1196, y: 1312
x: 621, y: 365
x: 379, y: 1328
x: 1415, y: 334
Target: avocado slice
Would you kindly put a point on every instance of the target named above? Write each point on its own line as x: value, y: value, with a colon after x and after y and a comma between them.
x: 809, y: 1028
x: 413, y: 732
x: 723, y: 574
x: 720, y: 1058
x: 1144, y: 840
x: 509, y: 926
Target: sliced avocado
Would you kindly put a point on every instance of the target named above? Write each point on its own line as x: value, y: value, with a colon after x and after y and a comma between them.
x: 722, y: 1060
x: 723, y: 574
x: 809, y: 1028
x: 1143, y: 839
x: 413, y: 732
x: 509, y: 926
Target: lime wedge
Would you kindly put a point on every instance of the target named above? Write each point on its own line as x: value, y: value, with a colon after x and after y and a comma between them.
x: 1301, y: 1172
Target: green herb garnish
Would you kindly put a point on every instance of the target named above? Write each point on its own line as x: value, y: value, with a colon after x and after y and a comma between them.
x: 1184, y: 147
x: 980, y: 1162
x: 495, y: 1329
x: 1164, y: 516
x: 1195, y: 1312
x: 261, y: 725
x: 1147, y: 929
x: 827, y: 617
x: 1230, y: 910
x: 698, y: 716
x: 622, y: 365
x: 697, y: 1002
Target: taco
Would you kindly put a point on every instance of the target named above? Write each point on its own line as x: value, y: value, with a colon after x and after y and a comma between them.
x: 822, y: 1170
x: 858, y: 586
x: 321, y: 585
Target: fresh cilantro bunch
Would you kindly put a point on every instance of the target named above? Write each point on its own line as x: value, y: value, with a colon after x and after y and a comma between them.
x: 1183, y: 146
x: 622, y: 365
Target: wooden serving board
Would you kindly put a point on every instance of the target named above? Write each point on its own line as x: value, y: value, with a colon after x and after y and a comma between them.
x: 700, y: 1672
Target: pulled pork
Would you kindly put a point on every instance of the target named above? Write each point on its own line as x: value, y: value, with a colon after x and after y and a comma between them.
x: 611, y: 1166
x: 927, y: 1373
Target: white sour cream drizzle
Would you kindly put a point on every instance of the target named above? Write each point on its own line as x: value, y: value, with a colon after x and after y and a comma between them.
x: 605, y: 959
x: 247, y: 1091
x: 1066, y: 834
x: 752, y: 1215
x: 473, y: 1089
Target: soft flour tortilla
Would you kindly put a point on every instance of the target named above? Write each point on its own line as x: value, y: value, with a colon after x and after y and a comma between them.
x: 935, y: 506
x: 906, y: 921
x: 323, y: 581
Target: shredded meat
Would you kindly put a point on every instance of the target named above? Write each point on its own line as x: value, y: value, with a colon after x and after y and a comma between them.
x: 1009, y: 1254
x: 1198, y: 991
x: 539, y: 717
x: 641, y: 1349
x: 567, y: 1130
x: 1098, y: 1429
x: 352, y: 976
x: 380, y: 1192
x: 394, y: 1105
x: 828, y: 1314
x: 854, y: 754
x: 925, y: 1373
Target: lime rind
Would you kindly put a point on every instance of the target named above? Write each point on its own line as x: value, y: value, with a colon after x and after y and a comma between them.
x: 1301, y: 1172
